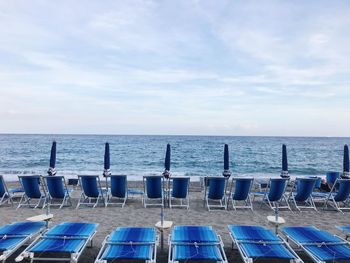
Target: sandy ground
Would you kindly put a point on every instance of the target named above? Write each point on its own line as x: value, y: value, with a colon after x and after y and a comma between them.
x: 134, y: 214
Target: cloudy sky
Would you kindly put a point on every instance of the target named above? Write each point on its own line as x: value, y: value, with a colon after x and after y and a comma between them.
x: 175, y: 67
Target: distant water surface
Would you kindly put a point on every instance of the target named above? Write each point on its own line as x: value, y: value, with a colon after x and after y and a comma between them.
x: 191, y: 155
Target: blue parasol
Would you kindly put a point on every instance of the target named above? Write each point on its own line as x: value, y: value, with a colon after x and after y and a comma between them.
x: 346, y: 161
x: 107, y: 162
x: 226, y: 172
x: 52, y: 166
x: 284, y: 162
x: 166, y: 172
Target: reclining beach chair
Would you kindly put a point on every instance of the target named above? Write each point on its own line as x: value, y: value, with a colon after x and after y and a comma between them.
x: 241, y: 192
x: 179, y: 191
x: 215, y: 191
x: 320, y: 245
x: 257, y: 242
x: 92, y: 191
x: 153, y: 190
x: 129, y: 243
x: 345, y: 229
x: 118, y: 190
x: 301, y: 194
x: 275, y: 193
x: 14, y: 236
x: 63, y: 242
x: 33, y: 190
x: 5, y: 195
x: 339, y: 196
x: 57, y: 191
x: 188, y: 243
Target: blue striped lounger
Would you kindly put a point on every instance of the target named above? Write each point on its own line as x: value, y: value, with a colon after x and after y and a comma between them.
x: 257, y: 242
x: 132, y: 243
x: 195, y: 243
x: 320, y: 245
x: 68, y: 238
x: 15, y: 235
x: 345, y: 229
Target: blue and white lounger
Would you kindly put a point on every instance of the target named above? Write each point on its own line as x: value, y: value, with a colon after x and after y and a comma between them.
x: 15, y: 235
x: 257, y: 242
x: 66, y: 239
x: 320, y: 245
x: 195, y: 243
x: 131, y: 243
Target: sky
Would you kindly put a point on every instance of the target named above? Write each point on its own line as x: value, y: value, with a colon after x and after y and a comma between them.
x: 265, y: 68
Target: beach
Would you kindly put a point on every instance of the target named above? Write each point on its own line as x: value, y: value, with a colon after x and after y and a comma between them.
x: 134, y: 214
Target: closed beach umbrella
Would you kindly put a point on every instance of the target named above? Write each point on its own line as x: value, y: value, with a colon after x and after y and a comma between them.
x: 52, y: 166
x: 226, y: 172
x: 346, y: 160
x: 284, y: 161
x: 166, y: 172
x: 107, y: 161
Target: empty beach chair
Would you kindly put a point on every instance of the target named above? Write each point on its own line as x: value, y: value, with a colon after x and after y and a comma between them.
x: 57, y: 191
x: 331, y: 177
x: 153, y: 190
x: 14, y: 236
x: 320, y: 245
x: 339, y: 195
x: 92, y: 192
x: 33, y: 190
x: 63, y: 242
x: 5, y: 194
x: 179, y: 191
x: 345, y: 229
x: 215, y: 192
x: 129, y: 243
x: 301, y: 194
x: 118, y: 190
x: 240, y: 192
x: 257, y: 242
x: 275, y: 193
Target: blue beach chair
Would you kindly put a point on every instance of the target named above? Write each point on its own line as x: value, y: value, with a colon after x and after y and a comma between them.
x: 241, y: 192
x: 92, y: 192
x: 118, y: 190
x: 63, y: 242
x: 215, y: 191
x: 153, y: 190
x: 33, y: 190
x: 320, y: 245
x: 14, y: 236
x: 57, y: 191
x: 339, y: 197
x: 345, y: 229
x: 179, y: 191
x: 301, y: 194
x: 188, y: 243
x: 5, y: 194
x: 129, y: 243
x: 257, y: 242
x: 275, y: 193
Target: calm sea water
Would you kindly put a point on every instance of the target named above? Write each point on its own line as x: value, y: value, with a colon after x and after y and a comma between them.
x: 191, y: 155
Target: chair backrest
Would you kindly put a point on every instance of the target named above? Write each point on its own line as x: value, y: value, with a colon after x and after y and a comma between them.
x: 118, y: 185
x: 242, y: 188
x: 90, y: 184
x: 180, y: 187
x: 343, y: 190
x: 277, y: 187
x: 318, y: 181
x: 304, y: 186
x: 331, y: 177
x: 31, y: 185
x: 3, y: 189
x: 153, y: 185
x: 216, y: 187
x: 56, y: 186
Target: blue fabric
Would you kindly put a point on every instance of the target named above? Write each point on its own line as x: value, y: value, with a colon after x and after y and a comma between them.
x: 226, y: 158
x: 133, y: 234
x: 242, y: 188
x: 180, y: 187
x: 53, y: 155
x: 107, y: 162
x: 72, y: 229
x: 58, y: 245
x: 284, y: 158
x: 55, y: 185
x: 135, y: 192
x: 118, y: 185
x: 31, y: 185
x: 16, y: 190
x: 277, y: 189
x: 343, y: 190
x: 331, y: 177
x: 252, y: 233
x: 346, y: 158
x: 113, y: 252
x: 90, y: 186
x: 2, y: 186
x: 21, y: 228
x: 193, y: 234
x: 167, y: 158
x: 8, y: 242
x: 330, y: 252
x: 199, y: 252
x: 346, y: 229
x: 305, y: 186
x: 310, y: 234
x: 216, y: 189
x: 154, y: 186
x: 263, y: 250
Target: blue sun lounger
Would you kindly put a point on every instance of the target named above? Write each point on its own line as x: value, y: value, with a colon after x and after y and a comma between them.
x: 5, y: 194
x: 14, y: 236
x: 57, y: 191
x: 195, y: 243
x: 33, y: 190
x: 257, y: 242
x: 118, y: 190
x: 320, y: 245
x: 129, y: 243
x: 339, y: 197
x: 345, y: 229
x: 63, y: 242
x: 91, y: 190
x: 301, y: 194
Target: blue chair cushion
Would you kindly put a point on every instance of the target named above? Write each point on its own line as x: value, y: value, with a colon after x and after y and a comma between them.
x: 194, y: 235
x: 7, y: 243
x: 252, y: 233
x: 255, y: 250
x: 58, y: 245
x: 21, y: 228
x: 133, y: 234
x: 329, y: 252
x: 72, y: 229
x: 127, y: 252
x: 310, y: 234
x: 199, y: 252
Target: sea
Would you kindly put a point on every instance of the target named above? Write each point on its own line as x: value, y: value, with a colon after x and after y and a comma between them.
x: 195, y: 156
